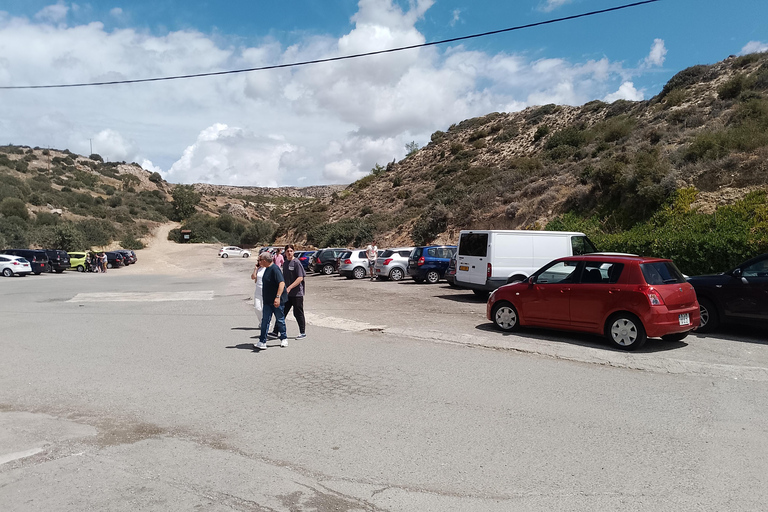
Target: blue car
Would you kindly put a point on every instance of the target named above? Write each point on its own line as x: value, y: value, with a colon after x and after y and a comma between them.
x: 303, y: 257
x: 430, y: 263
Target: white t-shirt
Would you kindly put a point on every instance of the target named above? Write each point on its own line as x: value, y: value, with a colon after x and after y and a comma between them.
x: 371, y: 251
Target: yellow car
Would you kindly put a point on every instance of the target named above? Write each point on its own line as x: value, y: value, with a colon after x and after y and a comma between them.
x: 77, y: 261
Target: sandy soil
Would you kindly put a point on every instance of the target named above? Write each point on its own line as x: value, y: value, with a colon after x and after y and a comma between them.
x: 162, y: 256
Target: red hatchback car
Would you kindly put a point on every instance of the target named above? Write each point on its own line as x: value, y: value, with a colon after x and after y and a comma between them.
x: 626, y: 298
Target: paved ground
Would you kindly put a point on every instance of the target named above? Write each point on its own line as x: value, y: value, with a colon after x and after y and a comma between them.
x: 140, y: 390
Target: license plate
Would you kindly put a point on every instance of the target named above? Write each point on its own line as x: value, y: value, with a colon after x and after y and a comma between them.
x: 685, y: 319
x: 464, y: 268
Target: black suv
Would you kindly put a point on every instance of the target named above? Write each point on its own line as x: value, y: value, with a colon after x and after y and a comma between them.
x: 129, y: 257
x: 37, y: 259
x: 325, y: 260
x: 114, y: 259
x: 58, y: 260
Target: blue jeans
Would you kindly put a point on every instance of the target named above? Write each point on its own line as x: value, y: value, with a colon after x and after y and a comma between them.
x: 269, y: 310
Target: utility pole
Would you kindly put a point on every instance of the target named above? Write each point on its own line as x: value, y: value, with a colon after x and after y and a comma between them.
x: 91, y: 141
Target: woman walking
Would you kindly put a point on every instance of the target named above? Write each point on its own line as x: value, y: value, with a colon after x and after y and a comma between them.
x: 258, y: 302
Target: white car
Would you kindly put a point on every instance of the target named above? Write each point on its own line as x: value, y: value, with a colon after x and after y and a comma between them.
x: 14, y: 265
x: 354, y: 264
x: 226, y: 252
x: 392, y: 263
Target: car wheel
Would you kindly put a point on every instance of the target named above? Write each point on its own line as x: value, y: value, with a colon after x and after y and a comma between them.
x: 678, y: 336
x: 359, y: 272
x: 625, y: 331
x: 246, y: 255
x: 327, y: 269
x: 225, y: 255
x: 396, y: 274
x: 7, y: 272
x: 504, y: 316
x: 80, y: 268
x: 709, y: 316
x: 433, y: 276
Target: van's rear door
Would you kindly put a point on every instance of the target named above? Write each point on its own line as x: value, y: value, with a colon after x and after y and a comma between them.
x: 472, y: 258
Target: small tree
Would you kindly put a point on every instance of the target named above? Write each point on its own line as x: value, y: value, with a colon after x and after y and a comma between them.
x: 411, y: 148
x: 14, y: 207
x: 185, y: 198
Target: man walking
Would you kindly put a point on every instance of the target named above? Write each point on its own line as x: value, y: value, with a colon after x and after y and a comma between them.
x: 371, y: 252
x: 294, y: 274
x: 274, y: 297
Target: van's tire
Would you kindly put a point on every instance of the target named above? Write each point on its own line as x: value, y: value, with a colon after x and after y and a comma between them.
x: 396, y: 274
x: 710, y: 319
x: 433, y: 276
x: 225, y: 255
x: 505, y: 316
x: 359, y: 272
x: 327, y: 269
x: 516, y: 279
x: 625, y: 331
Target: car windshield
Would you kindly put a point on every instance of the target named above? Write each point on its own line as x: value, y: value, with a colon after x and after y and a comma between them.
x: 661, y: 272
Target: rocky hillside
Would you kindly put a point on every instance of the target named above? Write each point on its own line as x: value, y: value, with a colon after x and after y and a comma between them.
x: 620, y: 162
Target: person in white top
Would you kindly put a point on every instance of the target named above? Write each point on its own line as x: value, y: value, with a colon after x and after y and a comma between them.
x: 371, y: 251
x: 258, y: 305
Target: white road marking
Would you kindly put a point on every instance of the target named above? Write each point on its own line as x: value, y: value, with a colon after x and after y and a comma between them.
x: 142, y: 296
x: 10, y: 457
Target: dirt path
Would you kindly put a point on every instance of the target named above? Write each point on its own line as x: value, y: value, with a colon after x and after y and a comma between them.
x: 162, y: 256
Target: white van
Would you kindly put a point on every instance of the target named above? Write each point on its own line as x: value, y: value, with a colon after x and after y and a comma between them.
x: 488, y: 259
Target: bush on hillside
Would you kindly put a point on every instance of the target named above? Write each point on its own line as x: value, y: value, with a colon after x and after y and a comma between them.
x: 430, y: 224
x: 344, y: 233
x: 14, y: 207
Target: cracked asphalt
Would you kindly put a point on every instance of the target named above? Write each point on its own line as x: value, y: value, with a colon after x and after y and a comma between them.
x: 401, y: 398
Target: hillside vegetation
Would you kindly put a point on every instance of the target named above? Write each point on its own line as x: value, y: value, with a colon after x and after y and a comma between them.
x: 682, y: 175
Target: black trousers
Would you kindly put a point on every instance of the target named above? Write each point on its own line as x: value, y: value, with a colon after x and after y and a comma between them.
x: 297, y: 303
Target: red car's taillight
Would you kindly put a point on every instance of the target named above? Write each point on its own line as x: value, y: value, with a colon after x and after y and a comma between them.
x: 489, y: 271
x: 654, y: 297
x: 387, y: 261
x: 421, y: 261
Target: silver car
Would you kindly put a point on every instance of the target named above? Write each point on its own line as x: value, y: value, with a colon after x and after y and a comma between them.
x: 354, y: 263
x: 391, y: 263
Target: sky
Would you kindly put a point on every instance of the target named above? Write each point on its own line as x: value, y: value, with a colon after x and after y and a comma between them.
x: 331, y: 122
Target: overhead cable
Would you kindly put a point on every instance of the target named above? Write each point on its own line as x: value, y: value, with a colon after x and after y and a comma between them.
x: 334, y: 59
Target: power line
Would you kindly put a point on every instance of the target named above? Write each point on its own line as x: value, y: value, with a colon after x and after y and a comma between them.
x: 334, y: 59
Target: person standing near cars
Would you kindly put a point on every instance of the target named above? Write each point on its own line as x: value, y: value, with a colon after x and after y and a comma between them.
x: 371, y: 252
x: 278, y: 259
x: 294, y: 274
x: 274, y: 297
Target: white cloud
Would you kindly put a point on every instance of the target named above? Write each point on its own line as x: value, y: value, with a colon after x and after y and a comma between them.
x: 754, y: 47
x: 627, y: 91
x: 657, y: 55
x: 147, y: 165
x: 116, y: 12
x: 456, y: 17
x: 551, y: 5
x: 53, y: 13
x: 318, y: 124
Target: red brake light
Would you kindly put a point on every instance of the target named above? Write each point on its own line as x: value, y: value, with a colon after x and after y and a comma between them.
x: 15, y: 262
x: 347, y: 262
x: 387, y: 261
x: 489, y: 271
x: 654, y: 297
x: 420, y: 262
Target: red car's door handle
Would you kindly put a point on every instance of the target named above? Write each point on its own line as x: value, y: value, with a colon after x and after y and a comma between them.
x: 563, y: 290
x: 611, y: 290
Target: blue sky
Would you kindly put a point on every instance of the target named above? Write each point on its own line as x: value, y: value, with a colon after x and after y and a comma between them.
x: 328, y: 123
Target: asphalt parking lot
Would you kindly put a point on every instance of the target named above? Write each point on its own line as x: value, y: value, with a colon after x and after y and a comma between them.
x: 131, y: 391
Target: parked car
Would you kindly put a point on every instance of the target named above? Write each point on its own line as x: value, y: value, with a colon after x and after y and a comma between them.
x: 325, y: 260
x: 392, y: 263
x: 77, y: 260
x: 450, y: 274
x: 305, y: 258
x: 58, y: 260
x: 491, y: 258
x: 114, y: 259
x: 14, y: 266
x: 354, y: 264
x: 37, y: 258
x: 226, y: 252
x: 129, y: 257
x: 738, y: 295
x: 626, y: 298
x: 430, y: 263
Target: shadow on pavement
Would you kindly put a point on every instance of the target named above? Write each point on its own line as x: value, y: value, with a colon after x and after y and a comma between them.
x: 743, y: 333
x: 469, y: 298
x: 245, y: 329
x: 583, y: 339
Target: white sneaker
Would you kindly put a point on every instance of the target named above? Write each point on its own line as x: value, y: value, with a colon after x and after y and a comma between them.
x: 284, y: 343
x: 261, y: 345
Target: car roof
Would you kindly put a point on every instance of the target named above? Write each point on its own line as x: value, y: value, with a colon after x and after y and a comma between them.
x: 618, y: 257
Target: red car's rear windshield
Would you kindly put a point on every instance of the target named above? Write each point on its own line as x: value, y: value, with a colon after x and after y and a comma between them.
x: 661, y: 272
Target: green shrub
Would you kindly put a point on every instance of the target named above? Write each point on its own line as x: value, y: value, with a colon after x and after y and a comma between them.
x: 155, y: 177
x: 687, y: 77
x: 96, y: 156
x: 537, y: 115
x: 346, y: 232
x: 572, y: 136
x: 131, y: 243
x: 14, y: 207
x: 732, y: 88
x: 541, y: 132
x: 430, y: 224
